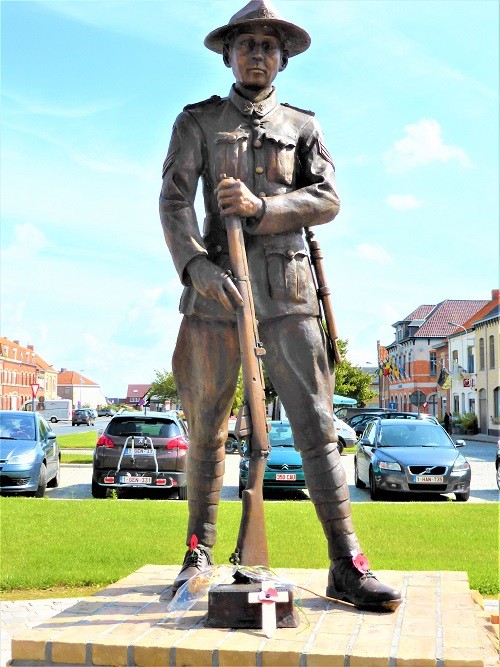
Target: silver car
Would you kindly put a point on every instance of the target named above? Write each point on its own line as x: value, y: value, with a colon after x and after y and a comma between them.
x: 410, y: 455
x: 29, y: 454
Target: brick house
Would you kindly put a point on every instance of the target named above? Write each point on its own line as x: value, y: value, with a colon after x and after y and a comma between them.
x: 135, y: 392
x: 411, y: 365
x: 79, y: 389
x: 20, y: 367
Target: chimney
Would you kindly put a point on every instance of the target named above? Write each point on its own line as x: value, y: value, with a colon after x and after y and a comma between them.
x: 30, y: 347
x: 495, y: 294
x: 62, y: 370
x: 16, y: 342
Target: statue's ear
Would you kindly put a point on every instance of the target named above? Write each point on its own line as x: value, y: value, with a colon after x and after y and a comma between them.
x: 225, y: 55
x: 284, y: 60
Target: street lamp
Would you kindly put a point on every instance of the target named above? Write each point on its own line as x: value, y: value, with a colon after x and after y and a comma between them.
x: 81, y: 382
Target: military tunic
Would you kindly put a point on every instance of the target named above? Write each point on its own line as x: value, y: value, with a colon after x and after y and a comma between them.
x: 278, y: 152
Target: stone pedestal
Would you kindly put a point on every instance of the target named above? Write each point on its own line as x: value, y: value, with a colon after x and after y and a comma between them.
x: 127, y: 625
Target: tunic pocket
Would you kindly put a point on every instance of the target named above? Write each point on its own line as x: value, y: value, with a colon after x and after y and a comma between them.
x: 281, y: 163
x: 288, y: 269
x: 230, y: 154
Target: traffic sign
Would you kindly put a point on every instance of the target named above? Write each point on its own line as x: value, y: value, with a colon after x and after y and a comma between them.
x: 34, y: 389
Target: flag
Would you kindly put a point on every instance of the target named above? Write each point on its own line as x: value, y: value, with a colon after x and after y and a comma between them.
x: 443, y: 376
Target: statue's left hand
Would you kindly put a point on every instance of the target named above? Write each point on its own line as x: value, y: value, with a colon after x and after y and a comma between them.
x: 234, y: 198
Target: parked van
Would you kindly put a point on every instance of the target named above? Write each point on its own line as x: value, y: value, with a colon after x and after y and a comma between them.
x: 53, y: 411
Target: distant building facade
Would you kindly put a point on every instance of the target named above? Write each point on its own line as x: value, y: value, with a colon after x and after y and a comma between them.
x: 20, y: 369
x: 81, y: 391
x: 411, y: 380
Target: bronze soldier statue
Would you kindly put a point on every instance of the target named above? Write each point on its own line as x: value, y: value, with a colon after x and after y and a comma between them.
x: 280, y: 180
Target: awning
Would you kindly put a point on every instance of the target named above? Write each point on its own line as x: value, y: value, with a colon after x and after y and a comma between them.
x: 343, y: 400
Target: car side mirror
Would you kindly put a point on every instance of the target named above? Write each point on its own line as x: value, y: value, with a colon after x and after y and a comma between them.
x: 51, y: 435
x: 364, y: 442
x: 460, y: 443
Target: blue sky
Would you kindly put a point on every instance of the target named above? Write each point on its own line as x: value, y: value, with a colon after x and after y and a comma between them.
x: 407, y: 95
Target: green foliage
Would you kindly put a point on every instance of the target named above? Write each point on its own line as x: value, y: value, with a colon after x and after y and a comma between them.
x: 93, y: 543
x: 468, y: 422
x: 351, y: 381
x: 164, y: 387
x: 239, y: 395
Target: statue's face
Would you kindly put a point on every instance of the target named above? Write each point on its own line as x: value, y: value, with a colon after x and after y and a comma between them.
x: 256, y: 56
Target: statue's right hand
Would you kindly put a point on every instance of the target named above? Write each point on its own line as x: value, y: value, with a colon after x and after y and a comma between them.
x: 211, y: 281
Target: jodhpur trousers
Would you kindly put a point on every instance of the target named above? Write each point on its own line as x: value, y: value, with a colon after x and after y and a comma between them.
x: 206, y: 362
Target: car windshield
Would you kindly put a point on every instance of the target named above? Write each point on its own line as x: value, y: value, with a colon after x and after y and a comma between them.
x: 17, y: 428
x: 153, y: 428
x: 413, y: 434
x: 281, y: 436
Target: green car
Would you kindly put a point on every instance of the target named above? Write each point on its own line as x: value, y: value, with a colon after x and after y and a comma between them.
x: 284, y: 465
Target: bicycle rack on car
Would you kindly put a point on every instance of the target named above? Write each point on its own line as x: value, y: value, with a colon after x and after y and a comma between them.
x: 146, y: 442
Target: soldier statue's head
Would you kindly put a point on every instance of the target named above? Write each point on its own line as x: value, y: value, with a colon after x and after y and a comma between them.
x: 256, y: 43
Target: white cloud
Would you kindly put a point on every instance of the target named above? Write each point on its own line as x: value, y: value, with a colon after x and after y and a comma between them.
x: 373, y: 253
x: 403, y: 202
x: 422, y: 145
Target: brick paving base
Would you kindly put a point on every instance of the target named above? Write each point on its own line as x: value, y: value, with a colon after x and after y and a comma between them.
x: 128, y: 625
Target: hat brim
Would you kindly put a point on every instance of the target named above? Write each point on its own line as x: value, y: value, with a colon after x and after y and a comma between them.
x: 298, y: 40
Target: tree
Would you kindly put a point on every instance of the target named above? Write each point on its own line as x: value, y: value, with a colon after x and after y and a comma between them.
x: 351, y: 381
x: 164, y: 387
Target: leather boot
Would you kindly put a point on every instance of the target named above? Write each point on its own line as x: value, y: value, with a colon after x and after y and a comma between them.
x: 195, y: 561
x: 360, y: 587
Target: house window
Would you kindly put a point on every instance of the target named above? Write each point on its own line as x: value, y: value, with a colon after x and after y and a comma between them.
x: 470, y: 360
x: 496, y: 402
x: 456, y: 404
x: 433, y: 364
x: 481, y: 355
x: 492, y: 352
x: 134, y: 399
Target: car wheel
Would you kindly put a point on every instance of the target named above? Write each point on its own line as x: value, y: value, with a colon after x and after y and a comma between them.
x: 358, y: 483
x: 340, y: 445
x: 53, y: 420
x: 98, y: 491
x: 374, y: 491
x: 183, y: 493
x: 229, y: 446
x: 54, y: 482
x: 42, y: 482
x: 462, y: 497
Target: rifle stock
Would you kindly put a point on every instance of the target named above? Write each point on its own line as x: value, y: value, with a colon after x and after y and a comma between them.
x: 251, y: 547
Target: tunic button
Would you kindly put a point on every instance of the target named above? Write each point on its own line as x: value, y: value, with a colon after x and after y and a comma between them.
x: 218, y: 248
x: 257, y: 143
x: 289, y: 253
x: 259, y: 170
x: 261, y: 194
x: 231, y: 138
x: 256, y: 121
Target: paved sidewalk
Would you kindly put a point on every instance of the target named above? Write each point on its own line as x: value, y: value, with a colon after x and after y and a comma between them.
x: 126, y: 625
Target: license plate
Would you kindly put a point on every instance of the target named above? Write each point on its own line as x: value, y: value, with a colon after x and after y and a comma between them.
x: 428, y: 479
x: 285, y: 477
x: 138, y: 451
x: 129, y: 479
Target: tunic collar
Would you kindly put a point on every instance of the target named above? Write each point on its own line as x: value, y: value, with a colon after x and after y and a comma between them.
x: 258, y: 108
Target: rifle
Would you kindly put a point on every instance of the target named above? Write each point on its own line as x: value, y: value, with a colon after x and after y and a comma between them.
x: 251, y: 547
x: 324, y: 294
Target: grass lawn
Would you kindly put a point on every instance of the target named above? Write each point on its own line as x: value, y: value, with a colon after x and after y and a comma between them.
x: 82, y: 440
x: 76, y: 458
x: 47, y: 544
